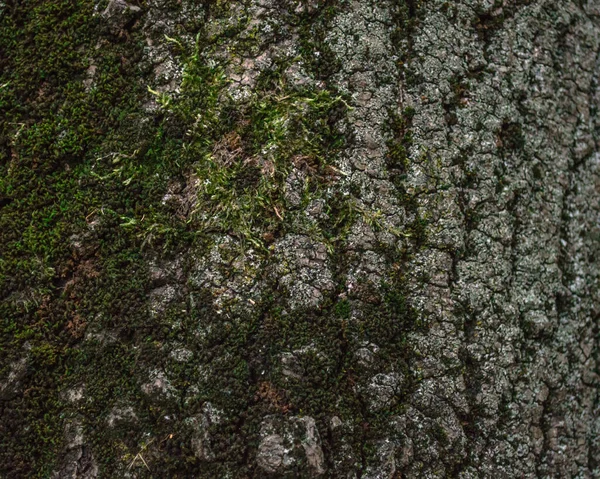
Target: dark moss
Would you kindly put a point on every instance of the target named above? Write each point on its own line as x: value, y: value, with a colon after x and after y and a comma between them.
x: 397, y: 154
x: 83, y: 173
x: 510, y: 137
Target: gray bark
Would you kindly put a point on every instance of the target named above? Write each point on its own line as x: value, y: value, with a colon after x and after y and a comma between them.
x: 416, y: 294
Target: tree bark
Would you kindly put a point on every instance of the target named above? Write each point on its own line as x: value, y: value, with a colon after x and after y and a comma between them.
x: 313, y: 238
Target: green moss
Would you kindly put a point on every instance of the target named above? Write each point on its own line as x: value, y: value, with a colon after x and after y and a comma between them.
x: 69, y: 158
x: 397, y: 154
x: 343, y: 309
x: 244, y: 152
x: 83, y: 173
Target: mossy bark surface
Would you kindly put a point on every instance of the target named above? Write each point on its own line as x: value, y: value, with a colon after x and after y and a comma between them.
x: 312, y: 238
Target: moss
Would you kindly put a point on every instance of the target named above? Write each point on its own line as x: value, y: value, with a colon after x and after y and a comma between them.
x: 510, y: 137
x: 63, y: 168
x: 406, y: 19
x: 397, y: 154
x: 83, y: 173
x: 244, y: 152
x: 486, y: 23
x: 343, y: 309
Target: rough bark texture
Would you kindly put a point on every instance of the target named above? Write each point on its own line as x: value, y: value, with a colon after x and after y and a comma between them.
x: 315, y: 238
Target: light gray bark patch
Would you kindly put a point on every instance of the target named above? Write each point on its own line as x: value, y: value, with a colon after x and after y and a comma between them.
x: 77, y: 459
x: 119, y: 13
x: 302, y: 268
x: 503, y: 99
x: 288, y: 443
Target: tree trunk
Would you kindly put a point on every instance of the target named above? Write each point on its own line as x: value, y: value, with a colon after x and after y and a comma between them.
x: 313, y: 238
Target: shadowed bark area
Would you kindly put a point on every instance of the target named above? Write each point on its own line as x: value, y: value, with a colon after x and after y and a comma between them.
x: 312, y: 238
